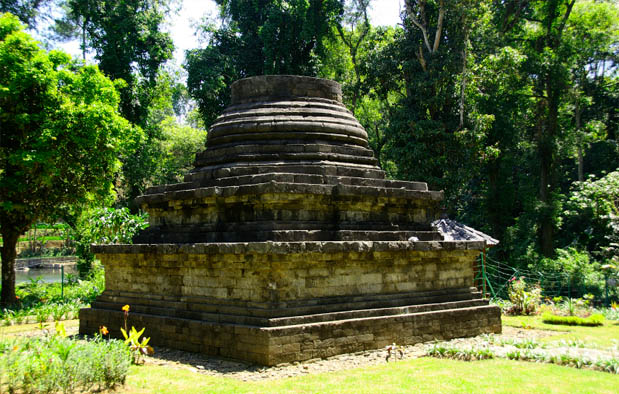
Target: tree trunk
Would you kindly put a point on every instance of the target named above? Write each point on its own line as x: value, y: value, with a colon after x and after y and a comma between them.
x: 581, y: 172
x: 547, y: 181
x: 9, y: 253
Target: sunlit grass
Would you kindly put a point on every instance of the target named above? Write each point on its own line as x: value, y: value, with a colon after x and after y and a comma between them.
x: 418, y: 375
x: 602, y: 336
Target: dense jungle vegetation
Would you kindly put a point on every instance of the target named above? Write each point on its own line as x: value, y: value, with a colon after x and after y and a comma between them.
x: 509, y: 106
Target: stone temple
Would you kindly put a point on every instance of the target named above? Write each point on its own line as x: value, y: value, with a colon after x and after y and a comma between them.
x: 287, y: 243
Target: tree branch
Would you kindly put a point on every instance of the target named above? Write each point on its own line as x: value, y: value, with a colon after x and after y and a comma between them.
x: 422, y: 60
x: 565, y: 17
x: 419, y: 25
x: 439, y: 27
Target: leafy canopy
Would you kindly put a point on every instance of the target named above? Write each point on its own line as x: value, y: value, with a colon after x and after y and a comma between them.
x: 61, y: 131
x: 258, y: 37
x: 60, y: 134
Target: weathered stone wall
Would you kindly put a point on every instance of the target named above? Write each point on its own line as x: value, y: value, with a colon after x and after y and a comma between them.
x: 275, y: 345
x: 262, y: 211
x: 276, y: 273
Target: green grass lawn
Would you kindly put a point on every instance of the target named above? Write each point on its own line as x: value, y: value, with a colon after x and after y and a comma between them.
x: 425, y: 375
x: 601, y: 336
x: 71, y: 326
x: 410, y: 376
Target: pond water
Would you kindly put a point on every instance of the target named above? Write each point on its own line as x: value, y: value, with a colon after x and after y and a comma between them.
x: 47, y: 275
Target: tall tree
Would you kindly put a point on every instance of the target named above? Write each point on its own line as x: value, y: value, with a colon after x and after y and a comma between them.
x: 353, y: 32
x: 26, y: 10
x: 540, y: 28
x: 258, y: 37
x: 60, y: 135
x: 129, y: 44
x: 429, y: 132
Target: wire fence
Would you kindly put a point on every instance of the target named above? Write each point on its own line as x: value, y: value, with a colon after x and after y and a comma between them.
x: 493, y: 278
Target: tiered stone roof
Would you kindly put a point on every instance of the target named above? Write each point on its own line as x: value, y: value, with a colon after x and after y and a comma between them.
x: 286, y: 161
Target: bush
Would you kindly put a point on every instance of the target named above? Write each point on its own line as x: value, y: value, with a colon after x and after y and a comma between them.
x: 104, y: 226
x: 525, y: 299
x: 575, y: 272
x: 57, y: 364
x: 591, y: 321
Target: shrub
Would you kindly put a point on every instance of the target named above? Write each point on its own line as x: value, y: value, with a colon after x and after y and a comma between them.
x: 577, y: 274
x: 104, y: 226
x: 58, y: 364
x: 593, y: 320
x: 525, y: 299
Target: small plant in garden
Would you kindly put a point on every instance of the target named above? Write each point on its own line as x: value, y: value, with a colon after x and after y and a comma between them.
x: 523, y: 343
x: 471, y: 354
x: 523, y: 353
x: 42, y: 314
x: 132, y: 339
x: 525, y: 299
x: 572, y: 343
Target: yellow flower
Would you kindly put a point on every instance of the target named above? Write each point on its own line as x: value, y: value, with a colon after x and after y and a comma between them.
x: 103, y: 330
x: 126, y: 308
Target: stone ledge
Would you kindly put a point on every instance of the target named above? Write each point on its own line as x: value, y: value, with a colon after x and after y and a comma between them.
x: 269, y: 247
x: 277, y: 86
x: 289, y: 177
x: 275, y: 187
x: 275, y: 345
x: 321, y: 169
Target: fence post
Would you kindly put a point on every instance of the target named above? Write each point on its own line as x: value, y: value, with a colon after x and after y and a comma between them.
x: 483, y: 273
x: 62, y: 281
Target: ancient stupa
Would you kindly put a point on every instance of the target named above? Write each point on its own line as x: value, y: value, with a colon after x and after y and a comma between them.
x: 287, y: 243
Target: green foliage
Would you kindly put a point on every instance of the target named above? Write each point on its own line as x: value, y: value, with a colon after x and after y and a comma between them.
x: 257, y: 37
x: 26, y: 10
x: 430, y: 139
x: 104, y: 226
x: 470, y: 354
x: 575, y: 271
x: 591, y: 321
x: 525, y: 299
x: 129, y: 45
x: 44, y: 301
x: 179, y: 144
x: 61, y: 136
x: 591, y: 216
x: 136, y: 346
x: 58, y: 364
x: 527, y: 350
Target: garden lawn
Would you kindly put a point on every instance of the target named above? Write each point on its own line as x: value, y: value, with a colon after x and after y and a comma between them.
x: 33, y: 329
x: 601, y: 336
x: 416, y: 375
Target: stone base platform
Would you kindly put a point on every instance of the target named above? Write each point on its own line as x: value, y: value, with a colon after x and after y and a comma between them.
x: 298, y: 342
x: 276, y: 302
